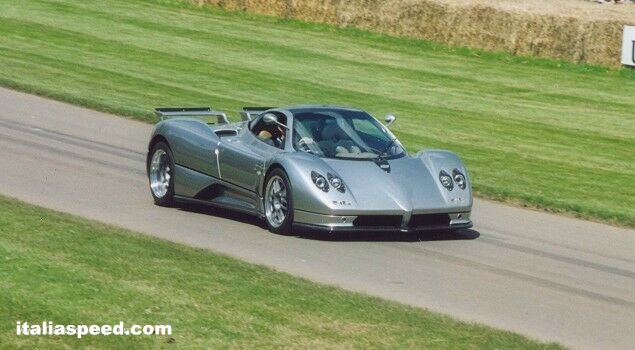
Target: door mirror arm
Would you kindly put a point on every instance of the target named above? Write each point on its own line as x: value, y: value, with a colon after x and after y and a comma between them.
x: 271, y: 118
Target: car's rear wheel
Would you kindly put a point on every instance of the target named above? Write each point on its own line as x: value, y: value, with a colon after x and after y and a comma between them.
x: 278, y: 202
x: 161, y: 174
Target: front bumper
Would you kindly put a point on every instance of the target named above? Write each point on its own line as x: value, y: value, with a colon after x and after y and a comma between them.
x: 382, y: 223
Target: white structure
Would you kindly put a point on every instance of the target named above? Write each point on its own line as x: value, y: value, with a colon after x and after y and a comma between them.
x: 628, y: 46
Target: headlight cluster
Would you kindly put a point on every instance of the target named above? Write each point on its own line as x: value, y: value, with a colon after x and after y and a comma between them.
x: 448, y: 181
x: 322, y: 183
x: 459, y: 178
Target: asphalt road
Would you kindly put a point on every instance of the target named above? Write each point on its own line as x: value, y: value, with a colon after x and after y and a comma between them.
x: 546, y: 276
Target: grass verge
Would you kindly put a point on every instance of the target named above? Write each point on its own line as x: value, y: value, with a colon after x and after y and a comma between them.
x: 541, y: 133
x: 67, y: 270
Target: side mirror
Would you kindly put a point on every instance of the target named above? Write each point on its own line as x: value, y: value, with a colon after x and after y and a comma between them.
x: 271, y: 118
x: 389, y: 120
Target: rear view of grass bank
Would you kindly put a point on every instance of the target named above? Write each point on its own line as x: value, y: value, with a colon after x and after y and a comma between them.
x: 66, y: 270
x: 541, y: 133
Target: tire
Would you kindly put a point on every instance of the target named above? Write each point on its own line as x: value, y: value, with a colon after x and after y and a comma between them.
x: 161, y: 174
x: 278, y: 214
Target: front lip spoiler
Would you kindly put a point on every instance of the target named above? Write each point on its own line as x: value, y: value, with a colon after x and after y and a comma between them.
x: 391, y: 229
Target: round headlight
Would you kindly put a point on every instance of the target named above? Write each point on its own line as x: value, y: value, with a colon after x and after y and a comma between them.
x: 320, y: 181
x: 446, y: 180
x: 336, y: 182
x: 459, y: 178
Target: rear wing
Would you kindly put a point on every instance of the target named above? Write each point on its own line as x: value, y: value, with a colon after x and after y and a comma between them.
x: 249, y: 113
x: 203, y: 113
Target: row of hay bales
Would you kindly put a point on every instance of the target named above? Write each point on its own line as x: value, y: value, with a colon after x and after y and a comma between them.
x: 481, y: 27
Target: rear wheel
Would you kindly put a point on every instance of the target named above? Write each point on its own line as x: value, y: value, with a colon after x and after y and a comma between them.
x: 278, y: 202
x: 161, y: 174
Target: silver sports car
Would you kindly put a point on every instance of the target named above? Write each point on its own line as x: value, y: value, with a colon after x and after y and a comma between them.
x: 312, y: 167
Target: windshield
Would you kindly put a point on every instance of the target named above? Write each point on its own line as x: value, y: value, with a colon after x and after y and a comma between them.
x: 340, y: 133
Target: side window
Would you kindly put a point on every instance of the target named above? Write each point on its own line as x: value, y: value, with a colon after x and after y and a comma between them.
x: 256, y: 125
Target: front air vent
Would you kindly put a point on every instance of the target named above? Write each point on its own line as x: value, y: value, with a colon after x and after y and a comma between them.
x: 378, y: 220
x: 423, y: 220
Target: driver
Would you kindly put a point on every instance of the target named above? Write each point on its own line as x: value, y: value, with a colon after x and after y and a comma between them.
x: 274, y: 136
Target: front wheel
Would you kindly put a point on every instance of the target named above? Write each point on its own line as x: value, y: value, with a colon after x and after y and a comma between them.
x: 161, y: 174
x: 278, y: 202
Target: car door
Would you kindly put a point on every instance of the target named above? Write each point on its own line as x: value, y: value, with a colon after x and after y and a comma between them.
x: 192, y: 144
x: 242, y: 159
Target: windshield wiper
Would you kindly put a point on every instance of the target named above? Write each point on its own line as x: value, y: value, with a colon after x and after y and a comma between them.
x: 383, y: 154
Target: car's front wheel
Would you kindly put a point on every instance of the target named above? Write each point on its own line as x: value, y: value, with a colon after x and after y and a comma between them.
x: 278, y: 202
x: 161, y: 174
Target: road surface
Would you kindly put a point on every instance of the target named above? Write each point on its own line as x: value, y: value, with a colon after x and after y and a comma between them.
x: 545, y: 276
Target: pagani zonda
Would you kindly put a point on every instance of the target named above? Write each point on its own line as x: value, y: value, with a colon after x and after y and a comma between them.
x: 315, y: 167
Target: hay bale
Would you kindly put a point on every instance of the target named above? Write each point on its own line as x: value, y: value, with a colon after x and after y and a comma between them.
x: 472, y: 24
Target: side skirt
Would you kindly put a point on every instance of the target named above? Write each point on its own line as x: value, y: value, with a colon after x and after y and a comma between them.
x: 240, y: 208
x: 194, y: 187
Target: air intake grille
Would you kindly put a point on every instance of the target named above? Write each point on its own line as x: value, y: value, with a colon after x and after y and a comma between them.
x: 378, y: 220
x: 421, y: 220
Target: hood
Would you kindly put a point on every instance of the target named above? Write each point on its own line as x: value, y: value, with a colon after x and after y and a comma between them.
x: 411, y: 185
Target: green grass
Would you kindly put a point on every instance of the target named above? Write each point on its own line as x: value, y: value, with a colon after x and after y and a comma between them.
x: 542, y: 133
x: 67, y: 270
